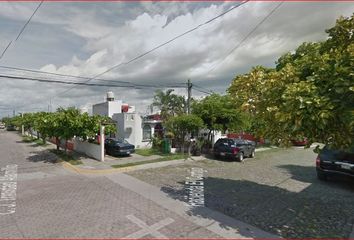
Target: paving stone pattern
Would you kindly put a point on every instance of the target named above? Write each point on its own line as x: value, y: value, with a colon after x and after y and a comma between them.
x: 277, y: 191
x: 55, y: 203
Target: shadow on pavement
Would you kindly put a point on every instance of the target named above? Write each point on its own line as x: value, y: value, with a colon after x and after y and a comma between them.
x: 320, y: 209
x: 43, y: 156
x: 308, y: 174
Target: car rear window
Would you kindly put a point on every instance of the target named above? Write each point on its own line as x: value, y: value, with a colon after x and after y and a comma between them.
x: 339, y: 154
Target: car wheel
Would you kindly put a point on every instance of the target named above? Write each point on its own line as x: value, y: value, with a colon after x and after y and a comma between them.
x: 241, y: 157
x: 253, y: 154
x: 321, y: 176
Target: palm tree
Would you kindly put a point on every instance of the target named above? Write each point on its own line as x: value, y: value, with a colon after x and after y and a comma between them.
x: 170, y: 104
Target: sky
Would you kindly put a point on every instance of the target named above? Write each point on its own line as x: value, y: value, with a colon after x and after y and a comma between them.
x: 88, y: 38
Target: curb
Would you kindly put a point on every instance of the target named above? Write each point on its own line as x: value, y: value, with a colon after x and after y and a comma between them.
x: 71, y: 167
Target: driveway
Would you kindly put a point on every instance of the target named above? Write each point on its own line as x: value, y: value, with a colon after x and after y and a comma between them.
x: 277, y: 191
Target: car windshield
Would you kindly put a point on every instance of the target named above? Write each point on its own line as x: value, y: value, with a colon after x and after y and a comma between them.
x: 121, y: 141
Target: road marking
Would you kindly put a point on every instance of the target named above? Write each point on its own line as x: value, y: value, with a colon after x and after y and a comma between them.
x: 8, y: 190
x: 195, y: 187
x: 146, y: 230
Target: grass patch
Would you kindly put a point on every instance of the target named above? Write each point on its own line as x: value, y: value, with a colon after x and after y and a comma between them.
x: 147, y: 152
x: 163, y: 159
x: 66, y: 157
x: 40, y: 142
x: 28, y: 139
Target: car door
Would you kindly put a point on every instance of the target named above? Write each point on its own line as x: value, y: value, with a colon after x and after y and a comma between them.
x: 249, y: 147
x: 245, y: 147
x: 108, y: 145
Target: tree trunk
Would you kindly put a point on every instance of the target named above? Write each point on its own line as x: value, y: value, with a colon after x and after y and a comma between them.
x: 57, y: 142
x: 66, y: 145
x: 209, y: 134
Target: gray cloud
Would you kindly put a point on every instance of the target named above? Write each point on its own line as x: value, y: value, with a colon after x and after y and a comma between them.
x: 87, y: 38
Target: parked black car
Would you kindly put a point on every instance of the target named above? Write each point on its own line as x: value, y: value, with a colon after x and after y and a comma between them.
x: 10, y: 128
x: 118, y: 147
x: 234, y: 148
x: 335, y: 162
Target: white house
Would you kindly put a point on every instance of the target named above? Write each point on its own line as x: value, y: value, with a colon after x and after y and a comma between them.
x: 131, y: 126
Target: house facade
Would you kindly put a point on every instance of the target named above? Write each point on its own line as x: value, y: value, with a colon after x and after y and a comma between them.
x: 131, y: 126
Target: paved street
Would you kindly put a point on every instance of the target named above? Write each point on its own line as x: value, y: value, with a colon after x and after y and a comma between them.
x: 45, y: 200
x: 277, y: 191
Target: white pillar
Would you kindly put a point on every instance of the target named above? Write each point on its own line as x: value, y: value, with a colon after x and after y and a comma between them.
x: 102, y: 142
x: 22, y: 127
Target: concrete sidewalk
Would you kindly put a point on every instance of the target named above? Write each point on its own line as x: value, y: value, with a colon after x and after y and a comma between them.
x: 211, y: 220
x: 92, y: 166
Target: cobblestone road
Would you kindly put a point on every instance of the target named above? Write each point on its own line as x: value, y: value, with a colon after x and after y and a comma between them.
x: 51, y: 202
x: 277, y: 191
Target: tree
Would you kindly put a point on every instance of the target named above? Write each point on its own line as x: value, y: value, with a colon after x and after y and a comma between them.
x: 170, y: 104
x: 68, y: 124
x: 218, y: 112
x: 310, y: 93
x: 183, y: 125
x: 42, y: 124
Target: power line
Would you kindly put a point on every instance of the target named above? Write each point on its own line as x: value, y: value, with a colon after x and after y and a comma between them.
x: 56, y: 74
x: 202, y: 91
x: 3, y: 53
x: 246, y: 37
x: 159, y: 46
x: 137, y: 86
x: 205, y: 89
x: 131, y: 84
x: 22, y: 29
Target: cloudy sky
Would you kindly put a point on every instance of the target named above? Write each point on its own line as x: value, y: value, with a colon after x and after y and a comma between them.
x: 85, y: 39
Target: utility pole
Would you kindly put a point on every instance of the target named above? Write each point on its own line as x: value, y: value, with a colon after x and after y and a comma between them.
x: 22, y: 127
x: 189, y: 89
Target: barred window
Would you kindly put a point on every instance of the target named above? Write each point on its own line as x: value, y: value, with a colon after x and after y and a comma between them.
x: 147, y: 132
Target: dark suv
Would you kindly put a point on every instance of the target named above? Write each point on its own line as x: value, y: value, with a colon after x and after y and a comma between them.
x: 234, y: 148
x: 331, y: 161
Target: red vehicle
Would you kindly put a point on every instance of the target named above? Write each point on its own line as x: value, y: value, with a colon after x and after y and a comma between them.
x: 299, y: 142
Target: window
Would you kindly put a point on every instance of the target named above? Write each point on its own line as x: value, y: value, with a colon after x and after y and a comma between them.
x: 146, y: 132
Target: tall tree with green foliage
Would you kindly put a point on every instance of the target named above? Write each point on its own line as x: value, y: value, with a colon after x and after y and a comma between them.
x: 170, y: 104
x: 218, y: 112
x: 42, y: 124
x: 182, y: 126
x: 310, y: 93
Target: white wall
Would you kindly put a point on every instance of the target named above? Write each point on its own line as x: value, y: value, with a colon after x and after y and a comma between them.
x: 107, y: 108
x: 114, y: 107
x: 100, y: 109
x: 129, y: 127
x: 89, y: 149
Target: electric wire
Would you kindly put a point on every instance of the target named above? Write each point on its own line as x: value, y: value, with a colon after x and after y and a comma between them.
x: 245, y: 38
x: 22, y: 29
x: 159, y: 46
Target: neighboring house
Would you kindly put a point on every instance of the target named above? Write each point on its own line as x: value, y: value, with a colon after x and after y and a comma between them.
x: 131, y: 126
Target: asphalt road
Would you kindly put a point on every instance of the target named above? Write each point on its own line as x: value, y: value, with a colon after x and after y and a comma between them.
x: 41, y: 199
x: 276, y: 191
